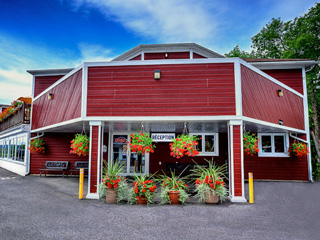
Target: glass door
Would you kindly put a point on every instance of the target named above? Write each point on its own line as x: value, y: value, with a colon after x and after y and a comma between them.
x: 133, y: 163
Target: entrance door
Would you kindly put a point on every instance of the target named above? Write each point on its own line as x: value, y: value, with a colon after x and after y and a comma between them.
x: 133, y: 163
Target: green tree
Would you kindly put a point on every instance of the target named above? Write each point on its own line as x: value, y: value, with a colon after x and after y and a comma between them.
x: 300, y: 39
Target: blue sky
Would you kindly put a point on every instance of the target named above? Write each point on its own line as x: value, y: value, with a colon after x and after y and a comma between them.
x: 42, y: 34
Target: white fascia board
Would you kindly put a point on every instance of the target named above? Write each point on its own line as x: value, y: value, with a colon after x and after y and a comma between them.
x: 57, y: 125
x: 84, y: 99
x: 59, y: 81
x: 289, y: 129
x: 163, y: 119
x: 270, y: 78
x: 96, y: 123
x: 237, y: 84
x: 283, y: 64
x: 23, y: 128
x: 160, y: 62
x: 306, y: 122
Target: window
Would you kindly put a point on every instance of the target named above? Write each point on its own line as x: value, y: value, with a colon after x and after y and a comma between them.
x: 14, y: 148
x: 273, y: 144
x: 208, y: 144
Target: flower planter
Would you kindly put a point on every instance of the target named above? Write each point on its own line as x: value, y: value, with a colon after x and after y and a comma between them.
x: 111, y: 196
x: 211, y: 198
x: 141, y: 200
x: 174, y: 197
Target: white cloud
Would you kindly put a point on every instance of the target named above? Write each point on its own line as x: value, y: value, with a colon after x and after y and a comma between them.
x: 165, y: 20
x: 18, y: 56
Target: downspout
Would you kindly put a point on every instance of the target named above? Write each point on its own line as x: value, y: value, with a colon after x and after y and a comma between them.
x: 29, y: 162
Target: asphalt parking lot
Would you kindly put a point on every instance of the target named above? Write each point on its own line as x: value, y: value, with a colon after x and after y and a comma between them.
x: 48, y: 208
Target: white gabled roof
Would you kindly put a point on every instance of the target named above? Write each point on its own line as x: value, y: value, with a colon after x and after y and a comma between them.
x: 168, y: 47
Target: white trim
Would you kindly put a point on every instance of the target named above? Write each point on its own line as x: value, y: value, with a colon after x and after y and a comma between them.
x: 237, y: 199
x: 33, y: 85
x: 216, y: 143
x: 59, y: 81
x: 273, y: 153
x: 263, y: 74
x: 306, y: 121
x: 237, y: 85
x: 191, y: 53
x: 92, y: 196
x: 96, y: 123
x: 160, y: 118
x: 99, y: 155
x: 90, y: 158
x: 230, y: 136
x: 84, y: 94
x: 57, y: 125
x: 142, y: 56
x: 24, y: 128
x: 283, y: 64
x: 242, y: 160
x: 13, y: 166
x: 290, y: 129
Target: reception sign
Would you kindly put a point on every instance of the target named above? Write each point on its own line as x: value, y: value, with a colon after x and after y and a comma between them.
x: 163, y: 137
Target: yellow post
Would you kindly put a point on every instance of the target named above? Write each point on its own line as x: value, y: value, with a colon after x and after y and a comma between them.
x: 81, y: 183
x: 251, y: 187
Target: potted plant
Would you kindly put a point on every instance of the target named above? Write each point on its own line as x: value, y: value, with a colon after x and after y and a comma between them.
x: 184, y: 145
x: 250, y: 143
x: 80, y: 145
x: 141, y: 143
x: 143, y: 190
x: 210, y: 185
x: 298, y: 150
x: 10, y: 110
x: 116, y: 187
x: 37, y: 145
x: 173, y: 189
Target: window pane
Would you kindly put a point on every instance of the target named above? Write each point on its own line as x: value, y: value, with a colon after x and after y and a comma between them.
x: 209, y: 143
x: 266, y: 144
x: 120, y: 149
x: 199, y: 146
x: 279, y: 144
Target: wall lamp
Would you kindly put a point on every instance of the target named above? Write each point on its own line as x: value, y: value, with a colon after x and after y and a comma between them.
x: 280, y: 122
x: 280, y: 93
x: 156, y: 74
x: 50, y: 96
x: 166, y: 55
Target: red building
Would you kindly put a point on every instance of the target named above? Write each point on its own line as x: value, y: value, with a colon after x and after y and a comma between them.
x: 215, y: 97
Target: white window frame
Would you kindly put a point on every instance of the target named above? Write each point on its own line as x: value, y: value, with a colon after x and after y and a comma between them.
x: 273, y: 153
x: 216, y: 144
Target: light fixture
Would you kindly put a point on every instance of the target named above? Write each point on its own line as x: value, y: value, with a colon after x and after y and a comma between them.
x: 50, y: 96
x: 280, y: 93
x: 166, y: 55
x: 156, y: 74
x: 280, y: 122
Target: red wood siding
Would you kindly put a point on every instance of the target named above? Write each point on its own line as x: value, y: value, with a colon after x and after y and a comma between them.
x: 276, y: 168
x: 162, y: 154
x: 196, y: 55
x: 260, y: 100
x: 65, y: 105
x: 94, y: 159
x: 290, y: 77
x: 237, y: 138
x: 136, y: 58
x: 43, y: 82
x: 194, y: 90
x: 57, y: 149
x: 171, y: 55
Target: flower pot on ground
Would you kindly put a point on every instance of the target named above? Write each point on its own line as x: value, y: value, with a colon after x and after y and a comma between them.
x: 173, y: 189
x: 210, y: 185
x: 184, y: 145
x: 37, y: 145
x: 250, y: 143
x: 298, y: 150
x: 116, y: 187
x: 80, y: 145
x: 143, y: 191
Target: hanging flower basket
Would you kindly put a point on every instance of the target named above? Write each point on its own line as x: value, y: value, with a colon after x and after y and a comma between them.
x: 37, y: 145
x: 184, y: 145
x: 10, y: 110
x: 298, y: 150
x: 250, y: 143
x: 141, y: 143
x: 80, y: 145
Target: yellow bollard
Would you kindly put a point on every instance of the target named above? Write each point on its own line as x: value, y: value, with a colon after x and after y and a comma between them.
x: 251, y: 187
x: 81, y: 183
